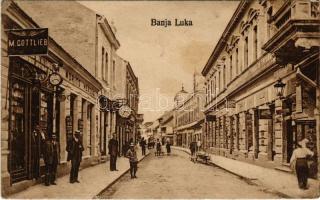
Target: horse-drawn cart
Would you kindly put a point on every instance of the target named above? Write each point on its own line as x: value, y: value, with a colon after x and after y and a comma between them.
x: 203, y: 156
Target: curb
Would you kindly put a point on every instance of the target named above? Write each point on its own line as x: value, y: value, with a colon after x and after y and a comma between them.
x: 115, y: 180
x: 246, y: 179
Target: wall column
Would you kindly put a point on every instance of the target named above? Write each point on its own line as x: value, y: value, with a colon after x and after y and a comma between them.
x: 5, y: 176
x: 242, y: 134
x: 86, y: 134
x: 278, y: 126
x: 64, y: 111
x: 317, y: 116
x: 94, y: 129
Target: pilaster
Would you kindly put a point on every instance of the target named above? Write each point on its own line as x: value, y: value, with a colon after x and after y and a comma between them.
x: 278, y: 126
x: 64, y: 111
x: 86, y: 133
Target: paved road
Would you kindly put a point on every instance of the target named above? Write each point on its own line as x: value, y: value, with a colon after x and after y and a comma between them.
x: 176, y: 176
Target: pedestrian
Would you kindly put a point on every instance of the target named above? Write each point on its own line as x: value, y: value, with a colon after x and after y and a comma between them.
x: 125, y: 148
x: 133, y: 160
x: 113, y: 152
x: 198, y: 145
x: 52, y: 157
x: 158, y: 147
x: 76, y: 157
x: 168, y: 146
x: 192, y: 148
x: 37, y: 143
x: 299, y: 161
x: 143, y: 146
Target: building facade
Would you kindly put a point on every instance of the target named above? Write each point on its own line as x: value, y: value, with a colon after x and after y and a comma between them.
x: 89, y: 38
x: 166, y: 126
x: 28, y: 101
x: 188, y: 114
x: 264, y: 43
x: 126, y: 93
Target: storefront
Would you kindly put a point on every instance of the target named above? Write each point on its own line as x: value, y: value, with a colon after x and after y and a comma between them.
x: 43, y: 94
x: 31, y: 105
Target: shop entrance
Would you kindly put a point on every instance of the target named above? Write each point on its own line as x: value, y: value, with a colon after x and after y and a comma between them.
x: 30, y: 106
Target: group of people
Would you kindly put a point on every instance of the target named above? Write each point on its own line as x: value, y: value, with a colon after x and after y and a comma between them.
x: 194, y: 147
x: 128, y: 151
x: 48, y: 149
x: 159, y: 145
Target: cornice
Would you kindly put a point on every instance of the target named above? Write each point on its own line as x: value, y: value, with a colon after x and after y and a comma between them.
x: 225, y: 35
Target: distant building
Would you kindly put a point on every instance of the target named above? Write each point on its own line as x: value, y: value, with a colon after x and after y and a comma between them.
x: 166, y: 126
x: 126, y: 92
x: 188, y: 113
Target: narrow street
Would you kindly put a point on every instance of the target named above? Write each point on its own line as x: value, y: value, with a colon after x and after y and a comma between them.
x: 175, y: 176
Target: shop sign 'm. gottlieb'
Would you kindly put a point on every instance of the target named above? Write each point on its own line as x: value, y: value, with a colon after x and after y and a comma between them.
x: 28, y: 42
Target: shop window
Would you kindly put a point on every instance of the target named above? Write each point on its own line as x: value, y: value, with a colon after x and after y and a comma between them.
x: 102, y: 65
x: 246, y: 52
x: 18, y: 124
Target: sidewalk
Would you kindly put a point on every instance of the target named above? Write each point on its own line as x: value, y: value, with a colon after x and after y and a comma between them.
x: 92, y: 181
x: 280, y: 182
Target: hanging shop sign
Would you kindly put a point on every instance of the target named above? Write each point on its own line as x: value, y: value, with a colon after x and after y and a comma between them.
x: 69, y: 126
x: 125, y: 111
x: 28, y: 42
x: 104, y: 103
x: 264, y: 114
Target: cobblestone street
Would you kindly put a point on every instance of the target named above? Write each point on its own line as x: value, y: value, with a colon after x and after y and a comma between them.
x: 176, y: 176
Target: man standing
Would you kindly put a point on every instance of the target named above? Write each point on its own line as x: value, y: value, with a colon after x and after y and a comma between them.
x: 133, y: 160
x: 143, y: 146
x: 113, y: 152
x: 52, y: 156
x: 76, y: 157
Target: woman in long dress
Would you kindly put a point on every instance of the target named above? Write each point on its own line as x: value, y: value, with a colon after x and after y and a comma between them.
x: 299, y: 157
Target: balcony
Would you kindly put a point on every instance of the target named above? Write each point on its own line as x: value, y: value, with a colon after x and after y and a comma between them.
x: 296, y: 31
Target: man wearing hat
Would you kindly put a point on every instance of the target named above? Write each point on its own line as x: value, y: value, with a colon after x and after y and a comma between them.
x: 133, y: 160
x: 76, y: 156
x: 52, y: 157
x: 113, y: 152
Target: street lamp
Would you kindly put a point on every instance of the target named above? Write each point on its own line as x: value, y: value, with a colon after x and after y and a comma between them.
x: 279, y: 86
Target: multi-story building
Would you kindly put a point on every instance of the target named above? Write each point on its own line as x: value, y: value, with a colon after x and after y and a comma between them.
x: 265, y: 44
x: 188, y: 113
x: 90, y: 39
x: 166, y: 126
x: 29, y: 100
x: 146, y: 130
x: 127, y: 93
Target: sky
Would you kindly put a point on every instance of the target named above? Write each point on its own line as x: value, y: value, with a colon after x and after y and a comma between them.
x: 164, y: 58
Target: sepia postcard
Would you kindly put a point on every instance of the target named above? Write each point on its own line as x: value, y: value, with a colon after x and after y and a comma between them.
x: 160, y: 99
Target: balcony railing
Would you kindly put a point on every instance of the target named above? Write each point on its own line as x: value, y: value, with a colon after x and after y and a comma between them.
x: 296, y: 10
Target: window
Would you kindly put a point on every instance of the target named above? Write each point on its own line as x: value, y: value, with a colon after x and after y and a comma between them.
x: 212, y: 90
x: 215, y: 86
x: 102, y: 64
x: 107, y: 67
x: 219, y: 82
x: 255, y: 43
x: 113, y: 72
x: 230, y: 68
x: 224, y: 76
x: 237, y: 62
x: 209, y: 92
x: 246, y: 52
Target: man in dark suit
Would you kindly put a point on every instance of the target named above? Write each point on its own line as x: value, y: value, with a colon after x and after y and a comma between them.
x: 113, y: 152
x: 76, y: 157
x: 52, y: 157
